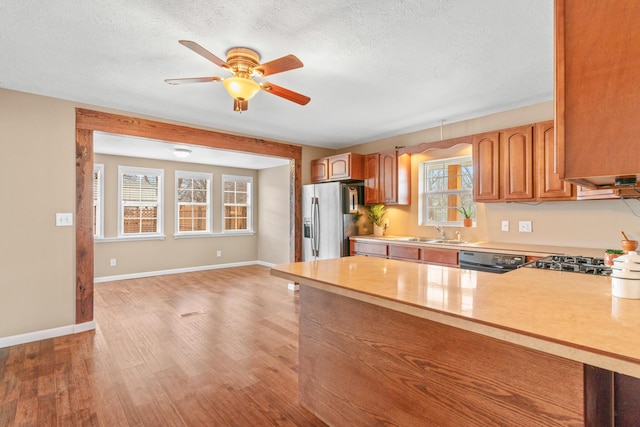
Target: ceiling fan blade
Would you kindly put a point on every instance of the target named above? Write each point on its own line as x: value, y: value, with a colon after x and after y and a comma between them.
x: 240, y: 104
x: 193, y: 80
x: 286, y: 63
x: 285, y: 93
x: 203, y: 52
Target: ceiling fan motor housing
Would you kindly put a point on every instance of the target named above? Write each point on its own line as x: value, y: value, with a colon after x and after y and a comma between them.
x: 242, y: 60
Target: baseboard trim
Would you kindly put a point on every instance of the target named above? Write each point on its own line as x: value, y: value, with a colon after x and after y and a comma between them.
x: 178, y: 271
x: 46, y: 334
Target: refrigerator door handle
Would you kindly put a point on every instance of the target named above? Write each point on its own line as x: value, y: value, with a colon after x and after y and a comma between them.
x: 315, y: 242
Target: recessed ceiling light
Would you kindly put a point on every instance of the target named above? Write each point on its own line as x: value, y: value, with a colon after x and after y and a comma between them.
x: 181, y: 152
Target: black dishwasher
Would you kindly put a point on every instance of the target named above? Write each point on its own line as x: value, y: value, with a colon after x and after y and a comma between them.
x: 490, y: 262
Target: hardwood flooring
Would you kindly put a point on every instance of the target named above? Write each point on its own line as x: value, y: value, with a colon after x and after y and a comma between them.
x: 212, y: 348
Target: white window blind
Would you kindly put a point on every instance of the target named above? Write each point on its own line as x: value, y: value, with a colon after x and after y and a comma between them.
x: 140, y: 191
x: 98, y: 200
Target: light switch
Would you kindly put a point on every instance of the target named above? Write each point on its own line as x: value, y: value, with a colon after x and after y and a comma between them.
x: 64, y: 220
x: 505, y: 225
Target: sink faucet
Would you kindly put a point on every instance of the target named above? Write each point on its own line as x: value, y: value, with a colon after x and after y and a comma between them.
x: 443, y: 234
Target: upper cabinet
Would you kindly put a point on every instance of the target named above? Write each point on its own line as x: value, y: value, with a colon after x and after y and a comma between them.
x: 521, y: 164
x: 344, y: 166
x: 597, y: 87
x: 503, y: 165
x: 387, y: 178
x: 549, y: 156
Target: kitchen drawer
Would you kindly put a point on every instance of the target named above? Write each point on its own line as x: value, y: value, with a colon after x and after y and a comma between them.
x: 446, y: 257
x: 409, y: 253
x: 375, y: 249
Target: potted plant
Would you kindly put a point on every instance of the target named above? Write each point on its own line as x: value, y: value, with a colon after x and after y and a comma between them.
x: 610, y: 255
x: 467, y: 214
x: 376, y: 215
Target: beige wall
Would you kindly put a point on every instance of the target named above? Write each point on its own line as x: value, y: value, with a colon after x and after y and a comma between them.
x: 37, y: 179
x: 273, y: 216
x: 37, y: 259
x: 148, y: 256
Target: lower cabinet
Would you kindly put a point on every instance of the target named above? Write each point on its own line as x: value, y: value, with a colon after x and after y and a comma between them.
x: 423, y: 254
x: 446, y: 257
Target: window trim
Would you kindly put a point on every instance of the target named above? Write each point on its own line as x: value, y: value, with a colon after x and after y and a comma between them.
x: 422, y: 193
x: 160, y: 203
x: 99, y: 211
x: 239, y: 178
x: 193, y: 175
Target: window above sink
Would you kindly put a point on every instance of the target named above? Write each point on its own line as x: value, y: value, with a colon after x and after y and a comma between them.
x: 445, y: 186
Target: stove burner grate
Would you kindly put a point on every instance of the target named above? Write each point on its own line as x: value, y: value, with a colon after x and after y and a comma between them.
x: 576, y: 264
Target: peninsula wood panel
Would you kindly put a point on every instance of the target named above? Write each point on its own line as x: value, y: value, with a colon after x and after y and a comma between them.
x: 361, y: 364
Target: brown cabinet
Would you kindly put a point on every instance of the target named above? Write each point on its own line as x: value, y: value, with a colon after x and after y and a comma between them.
x: 406, y: 253
x: 549, y: 156
x: 446, y: 257
x: 597, y: 89
x: 339, y: 167
x: 387, y: 178
x: 486, y: 167
x: 517, y: 161
x: 504, y: 165
x: 369, y: 249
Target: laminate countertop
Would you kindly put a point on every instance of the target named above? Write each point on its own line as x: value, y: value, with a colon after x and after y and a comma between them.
x: 567, y: 314
x: 485, y: 246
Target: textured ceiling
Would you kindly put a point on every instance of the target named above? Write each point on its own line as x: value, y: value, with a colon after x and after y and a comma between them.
x: 373, y: 68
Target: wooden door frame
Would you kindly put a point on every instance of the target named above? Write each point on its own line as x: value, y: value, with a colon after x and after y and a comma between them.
x: 88, y: 121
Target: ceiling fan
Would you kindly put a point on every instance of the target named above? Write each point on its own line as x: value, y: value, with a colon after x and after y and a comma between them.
x: 244, y: 64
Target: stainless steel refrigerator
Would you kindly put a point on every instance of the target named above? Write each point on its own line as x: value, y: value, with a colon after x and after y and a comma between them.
x: 329, y: 215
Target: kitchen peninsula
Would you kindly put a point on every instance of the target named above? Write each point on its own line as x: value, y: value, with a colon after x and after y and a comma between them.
x: 392, y: 341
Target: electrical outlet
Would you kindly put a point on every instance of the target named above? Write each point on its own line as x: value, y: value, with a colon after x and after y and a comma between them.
x: 112, y: 262
x: 505, y: 225
x: 524, y: 226
x: 386, y: 222
x: 219, y: 253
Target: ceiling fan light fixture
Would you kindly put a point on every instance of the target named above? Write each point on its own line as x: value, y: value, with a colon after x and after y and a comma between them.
x: 241, y: 88
x: 181, y: 153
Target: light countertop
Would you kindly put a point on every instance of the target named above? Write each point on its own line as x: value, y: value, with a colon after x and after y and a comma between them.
x: 517, y: 248
x: 567, y: 314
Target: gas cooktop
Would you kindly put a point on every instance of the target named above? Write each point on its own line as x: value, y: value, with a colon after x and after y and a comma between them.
x: 575, y: 264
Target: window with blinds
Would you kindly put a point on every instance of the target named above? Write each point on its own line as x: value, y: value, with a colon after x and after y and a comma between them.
x: 98, y: 200
x: 446, y: 188
x: 237, y: 199
x: 193, y: 202
x: 140, y: 191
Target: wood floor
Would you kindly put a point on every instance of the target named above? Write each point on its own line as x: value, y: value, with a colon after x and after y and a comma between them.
x: 211, y: 348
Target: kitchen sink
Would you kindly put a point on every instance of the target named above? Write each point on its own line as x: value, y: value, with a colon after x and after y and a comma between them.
x: 428, y: 240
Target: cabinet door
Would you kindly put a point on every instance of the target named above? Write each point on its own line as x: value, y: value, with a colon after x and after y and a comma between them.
x: 598, y: 88
x: 486, y: 167
x: 389, y: 176
x: 405, y: 253
x: 516, y: 160
x: 372, y: 179
x: 319, y: 170
x: 549, y: 156
x: 446, y: 257
x: 340, y: 166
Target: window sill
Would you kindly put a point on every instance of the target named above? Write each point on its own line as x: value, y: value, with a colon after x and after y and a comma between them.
x: 128, y: 238
x: 223, y: 234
